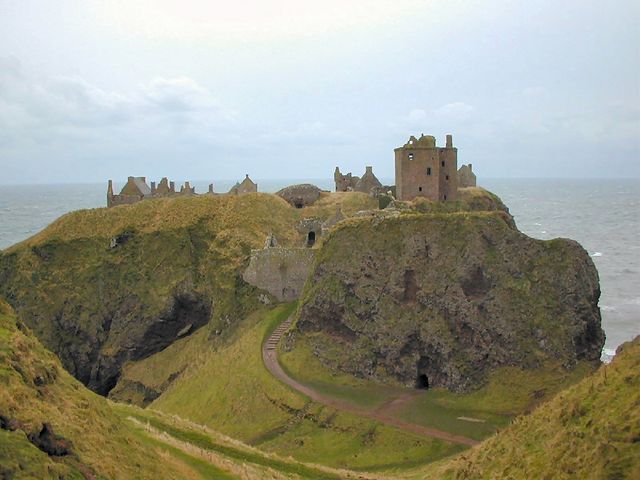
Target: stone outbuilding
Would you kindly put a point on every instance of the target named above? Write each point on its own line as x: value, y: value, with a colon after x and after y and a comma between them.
x: 134, y: 190
x: 246, y: 186
x: 300, y: 196
x: 368, y: 183
x: 466, y: 177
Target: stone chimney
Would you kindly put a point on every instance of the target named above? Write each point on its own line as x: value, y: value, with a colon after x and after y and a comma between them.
x: 110, y: 193
x: 449, y: 141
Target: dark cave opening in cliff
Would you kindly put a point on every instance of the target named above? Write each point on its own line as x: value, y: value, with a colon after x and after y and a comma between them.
x: 311, y: 239
x: 422, y: 382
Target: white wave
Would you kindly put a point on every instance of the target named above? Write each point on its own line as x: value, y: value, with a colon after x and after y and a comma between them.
x: 607, y: 355
x: 607, y: 308
x: 596, y: 254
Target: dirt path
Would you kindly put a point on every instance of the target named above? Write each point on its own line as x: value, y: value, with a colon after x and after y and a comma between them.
x: 382, y: 414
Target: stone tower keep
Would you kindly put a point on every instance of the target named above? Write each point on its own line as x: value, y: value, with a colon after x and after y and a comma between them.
x: 426, y: 170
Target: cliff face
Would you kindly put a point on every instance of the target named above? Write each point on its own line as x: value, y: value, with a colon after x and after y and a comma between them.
x: 102, y: 287
x: 51, y: 427
x: 440, y: 299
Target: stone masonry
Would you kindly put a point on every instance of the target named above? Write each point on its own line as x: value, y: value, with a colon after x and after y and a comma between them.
x: 425, y: 170
x: 280, y: 271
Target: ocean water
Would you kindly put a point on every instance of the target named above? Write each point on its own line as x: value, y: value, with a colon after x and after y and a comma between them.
x: 603, y: 215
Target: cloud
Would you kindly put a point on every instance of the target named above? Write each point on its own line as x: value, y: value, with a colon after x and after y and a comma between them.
x: 417, y: 115
x: 180, y: 94
x: 455, y: 111
x: 315, y: 132
x: 33, y: 109
x: 533, y: 91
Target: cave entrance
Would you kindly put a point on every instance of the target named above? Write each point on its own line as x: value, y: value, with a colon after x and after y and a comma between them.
x: 299, y: 205
x: 311, y: 239
x: 422, y: 382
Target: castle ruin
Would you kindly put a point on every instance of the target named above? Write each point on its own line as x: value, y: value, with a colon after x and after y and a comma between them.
x: 466, y: 177
x: 368, y: 183
x: 136, y: 189
x: 426, y: 170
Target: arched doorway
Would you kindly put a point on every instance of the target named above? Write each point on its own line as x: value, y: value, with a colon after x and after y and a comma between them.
x: 422, y: 382
x: 311, y: 238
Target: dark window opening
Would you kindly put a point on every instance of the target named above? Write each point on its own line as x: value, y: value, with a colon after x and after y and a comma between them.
x: 445, y: 197
x: 447, y: 177
x: 299, y: 205
x: 311, y: 239
x: 411, y: 156
x: 428, y: 170
x: 443, y: 163
x: 422, y: 382
x: 419, y: 189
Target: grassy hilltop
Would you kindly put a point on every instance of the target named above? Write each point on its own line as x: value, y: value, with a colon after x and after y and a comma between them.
x: 164, y: 320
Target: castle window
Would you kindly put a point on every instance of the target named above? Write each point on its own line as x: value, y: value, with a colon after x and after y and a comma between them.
x: 442, y: 163
x: 445, y: 197
x: 447, y: 177
x: 419, y: 189
x: 411, y: 156
x: 428, y: 170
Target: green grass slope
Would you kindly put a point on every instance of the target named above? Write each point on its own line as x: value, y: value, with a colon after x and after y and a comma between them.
x: 89, y: 439
x: 588, y: 431
x: 509, y: 391
x: 230, y: 390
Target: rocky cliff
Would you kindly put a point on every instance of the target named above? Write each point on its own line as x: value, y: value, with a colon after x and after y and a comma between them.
x: 106, y: 286
x: 440, y: 299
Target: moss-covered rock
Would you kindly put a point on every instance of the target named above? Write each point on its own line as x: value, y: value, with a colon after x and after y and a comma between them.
x: 440, y: 299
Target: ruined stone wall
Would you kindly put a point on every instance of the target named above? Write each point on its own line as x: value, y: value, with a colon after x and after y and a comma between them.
x: 466, y: 177
x: 280, y: 271
x: 116, y: 200
x: 412, y: 178
x: 425, y: 170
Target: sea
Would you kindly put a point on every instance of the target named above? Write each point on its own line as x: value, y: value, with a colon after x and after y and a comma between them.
x: 603, y: 215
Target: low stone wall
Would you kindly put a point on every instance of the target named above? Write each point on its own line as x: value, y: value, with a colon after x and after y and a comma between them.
x: 280, y: 271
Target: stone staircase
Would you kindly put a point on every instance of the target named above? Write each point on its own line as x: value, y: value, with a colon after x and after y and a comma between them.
x: 272, y: 341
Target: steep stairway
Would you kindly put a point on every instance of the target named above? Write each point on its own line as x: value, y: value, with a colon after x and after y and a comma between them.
x: 274, y: 338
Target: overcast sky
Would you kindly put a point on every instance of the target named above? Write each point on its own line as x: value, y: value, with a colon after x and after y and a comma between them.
x: 190, y: 89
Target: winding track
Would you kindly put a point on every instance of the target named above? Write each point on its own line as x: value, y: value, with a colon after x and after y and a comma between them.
x: 381, y: 414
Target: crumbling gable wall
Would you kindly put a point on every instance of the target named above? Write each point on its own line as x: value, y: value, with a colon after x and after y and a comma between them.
x: 466, y: 177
